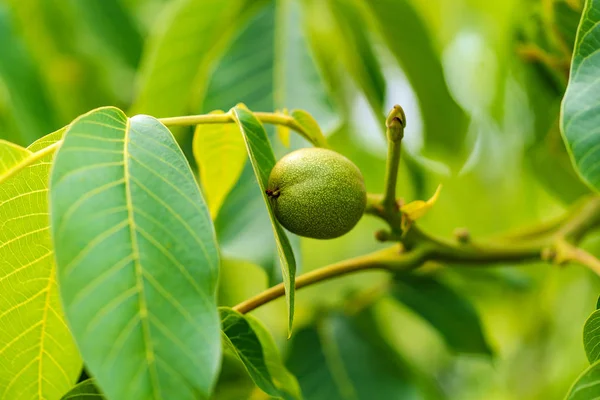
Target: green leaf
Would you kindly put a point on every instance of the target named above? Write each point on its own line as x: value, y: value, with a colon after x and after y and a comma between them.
x: 407, y: 37
x: 338, y: 38
x: 263, y: 161
x: 73, y: 76
x: 85, y: 390
x: 137, y: 258
x: 44, y: 362
x: 34, y: 114
x: 113, y: 27
x: 591, y: 337
x: 587, y: 385
x: 580, y: 115
x: 181, y: 53
x: 221, y: 154
x: 269, y: 67
x: 448, y: 312
x: 566, y: 16
x: 253, y: 345
x: 336, y: 360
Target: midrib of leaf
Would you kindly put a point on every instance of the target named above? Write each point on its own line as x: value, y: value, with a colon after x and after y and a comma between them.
x: 143, y: 312
x: 43, y: 330
x: 29, y: 161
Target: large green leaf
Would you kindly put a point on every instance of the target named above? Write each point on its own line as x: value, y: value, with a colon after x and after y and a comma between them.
x: 407, y: 37
x: 263, y: 161
x: 581, y: 105
x: 252, y: 344
x: 587, y: 386
x: 447, y: 311
x: 179, y: 54
x: 42, y: 360
x: 336, y: 360
x: 137, y: 258
x: 34, y: 114
x: 113, y: 27
x: 268, y: 67
x: 72, y: 72
x: 85, y: 390
x: 220, y: 153
x: 591, y: 337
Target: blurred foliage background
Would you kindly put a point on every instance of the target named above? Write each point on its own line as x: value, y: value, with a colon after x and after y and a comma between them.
x: 481, y: 84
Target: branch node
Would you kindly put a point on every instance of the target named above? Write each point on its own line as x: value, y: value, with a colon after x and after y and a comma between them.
x: 462, y: 235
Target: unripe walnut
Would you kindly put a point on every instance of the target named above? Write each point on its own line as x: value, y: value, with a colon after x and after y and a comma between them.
x: 317, y: 193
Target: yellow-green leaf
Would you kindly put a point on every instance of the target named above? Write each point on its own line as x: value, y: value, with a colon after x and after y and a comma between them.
x: 418, y: 208
x: 221, y: 154
x: 283, y: 132
x: 311, y: 127
x: 38, y: 358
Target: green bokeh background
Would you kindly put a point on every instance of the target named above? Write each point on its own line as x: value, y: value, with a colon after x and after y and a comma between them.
x: 492, y: 142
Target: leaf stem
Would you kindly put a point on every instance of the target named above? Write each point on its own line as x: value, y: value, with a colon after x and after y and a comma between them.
x: 227, y: 118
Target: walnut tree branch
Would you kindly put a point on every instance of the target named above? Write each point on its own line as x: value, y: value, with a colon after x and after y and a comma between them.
x: 420, y: 247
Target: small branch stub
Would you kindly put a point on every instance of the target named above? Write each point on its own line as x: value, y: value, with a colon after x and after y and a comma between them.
x: 462, y: 235
x: 395, y: 123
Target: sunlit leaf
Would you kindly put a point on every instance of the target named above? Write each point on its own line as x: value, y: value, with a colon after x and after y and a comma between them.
x: 221, y: 154
x: 581, y: 105
x: 239, y: 280
x: 253, y: 345
x: 263, y: 161
x: 336, y: 361
x: 181, y: 53
x: 85, y: 390
x: 452, y: 315
x: 137, y: 258
x: 445, y: 123
x: 42, y: 361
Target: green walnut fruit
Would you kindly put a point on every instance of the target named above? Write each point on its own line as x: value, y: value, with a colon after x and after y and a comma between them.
x: 317, y: 193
